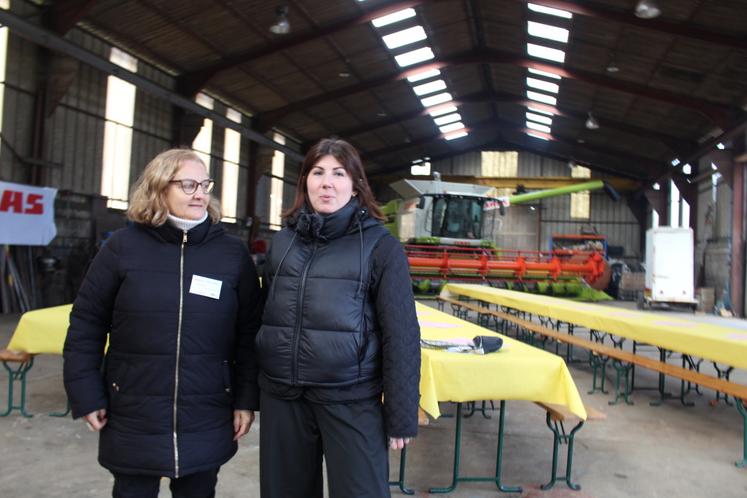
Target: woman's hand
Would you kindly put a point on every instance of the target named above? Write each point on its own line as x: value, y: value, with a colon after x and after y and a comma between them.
x: 397, y: 443
x: 96, y: 420
x: 242, y: 421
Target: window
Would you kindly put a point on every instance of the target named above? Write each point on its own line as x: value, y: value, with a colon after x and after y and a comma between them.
x: 581, y: 201
x: 679, y: 209
x: 230, y: 178
x: 393, y: 17
x: 120, y: 113
x: 414, y: 56
x: 404, y: 37
x: 204, y: 140
x: 276, y: 185
x: 420, y: 167
x: 504, y: 164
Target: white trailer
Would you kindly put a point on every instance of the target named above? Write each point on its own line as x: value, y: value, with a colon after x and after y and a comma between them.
x: 669, y: 268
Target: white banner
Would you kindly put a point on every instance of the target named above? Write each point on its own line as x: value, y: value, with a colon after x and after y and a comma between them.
x: 26, y: 214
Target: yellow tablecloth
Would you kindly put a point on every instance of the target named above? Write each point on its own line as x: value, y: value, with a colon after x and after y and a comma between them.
x: 516, y: 372
x: 717, y: 343
x: 42, y: 331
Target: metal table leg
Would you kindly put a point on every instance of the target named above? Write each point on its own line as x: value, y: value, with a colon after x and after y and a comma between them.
x: 401, y: 481
x: 456, y: 478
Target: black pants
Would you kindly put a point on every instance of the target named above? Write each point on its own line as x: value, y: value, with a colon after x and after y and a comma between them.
x: 199, y: 485
x: 295, y: 434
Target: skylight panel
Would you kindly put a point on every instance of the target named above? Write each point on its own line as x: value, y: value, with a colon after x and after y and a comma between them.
x: 538, y: 127
x: 414, y: 56
x: 430, y: 87
x: 393, y: 17
x: 439, y: 98
x: 542, y: 85
x: 449, y: 118
x: 539, y: 111
x: 538, y: 118
x: 549, y: 11
x: 441, y: 110
x: 424, y: 75
x: 547, y: 31
x: 552, y: 54
x: 404, y: 37
x: 451, y: 127
x: 544, y: 73
x: 541, y: 97
x: 455, y: 135
x: 537, y: 135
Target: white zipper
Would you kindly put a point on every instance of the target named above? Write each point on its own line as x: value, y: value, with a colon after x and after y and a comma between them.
x: 178, y: 351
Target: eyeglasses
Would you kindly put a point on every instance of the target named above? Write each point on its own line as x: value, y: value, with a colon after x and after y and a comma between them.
x: 189, y: 186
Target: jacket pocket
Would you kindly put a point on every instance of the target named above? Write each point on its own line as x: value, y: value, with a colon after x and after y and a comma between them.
x: 227, y: 377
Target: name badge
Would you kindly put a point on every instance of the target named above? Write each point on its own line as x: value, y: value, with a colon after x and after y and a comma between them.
x: 203, y: 286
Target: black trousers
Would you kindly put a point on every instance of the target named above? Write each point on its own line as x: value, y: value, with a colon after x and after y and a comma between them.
x: 294, y: 436
x: 199, y: 485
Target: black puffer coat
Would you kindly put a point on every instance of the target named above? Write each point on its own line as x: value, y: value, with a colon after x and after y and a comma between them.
x: 178, y: 362
x: 339, y: 324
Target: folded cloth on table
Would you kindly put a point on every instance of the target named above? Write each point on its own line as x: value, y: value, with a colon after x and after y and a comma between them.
x: 481, y: 344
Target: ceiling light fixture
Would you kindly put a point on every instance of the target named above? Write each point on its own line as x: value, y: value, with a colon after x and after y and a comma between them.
x: 612, y: 67
x: 281, y: 26
x: 647, y: 9
x: 591, y: 122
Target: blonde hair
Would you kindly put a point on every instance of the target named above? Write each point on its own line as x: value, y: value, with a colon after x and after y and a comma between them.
x: 148, y: 199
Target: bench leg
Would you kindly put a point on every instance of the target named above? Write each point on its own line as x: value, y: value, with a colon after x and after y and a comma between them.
x: 17, y: 375
x: 67, y: 411
x: 401, y: 480
x: 483, y: 409
x: 597, y: 363
x: 560, y: 437
x: 743, y: 412
x: 722, y: 374
x: 621, y: 371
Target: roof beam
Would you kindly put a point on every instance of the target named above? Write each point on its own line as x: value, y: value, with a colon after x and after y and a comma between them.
x: 600, y: 157
x: 45, y: 38
x: 684, y: 29
x: 190, y: 83
x: 675, y: 144
x: 719, y: 113
x: 61, y: 17
x: 523, y: 144
x: 530, y: 183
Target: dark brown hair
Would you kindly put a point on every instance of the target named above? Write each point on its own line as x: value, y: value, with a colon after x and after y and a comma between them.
x: 350, y: 160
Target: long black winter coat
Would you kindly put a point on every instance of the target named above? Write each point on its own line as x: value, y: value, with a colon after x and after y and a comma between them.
x: 178, y: 362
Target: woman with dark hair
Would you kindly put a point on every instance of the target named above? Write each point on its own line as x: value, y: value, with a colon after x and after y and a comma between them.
x: 179, y: 302
x: 338, y: 331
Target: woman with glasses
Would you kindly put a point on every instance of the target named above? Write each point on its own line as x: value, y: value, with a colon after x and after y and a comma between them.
x: 339, y: 330
x: 178, y: 300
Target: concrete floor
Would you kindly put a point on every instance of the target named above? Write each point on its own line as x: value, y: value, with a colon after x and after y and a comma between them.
x: 639, y: 450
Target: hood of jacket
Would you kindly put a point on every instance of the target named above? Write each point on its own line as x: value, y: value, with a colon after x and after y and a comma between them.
x: 325, y: 227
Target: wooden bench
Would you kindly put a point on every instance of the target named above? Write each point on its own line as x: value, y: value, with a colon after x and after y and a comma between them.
x: 555, y: 418
x: 18, y: 374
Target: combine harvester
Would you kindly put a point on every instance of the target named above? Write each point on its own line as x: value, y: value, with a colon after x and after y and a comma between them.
x: 449, y: 232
